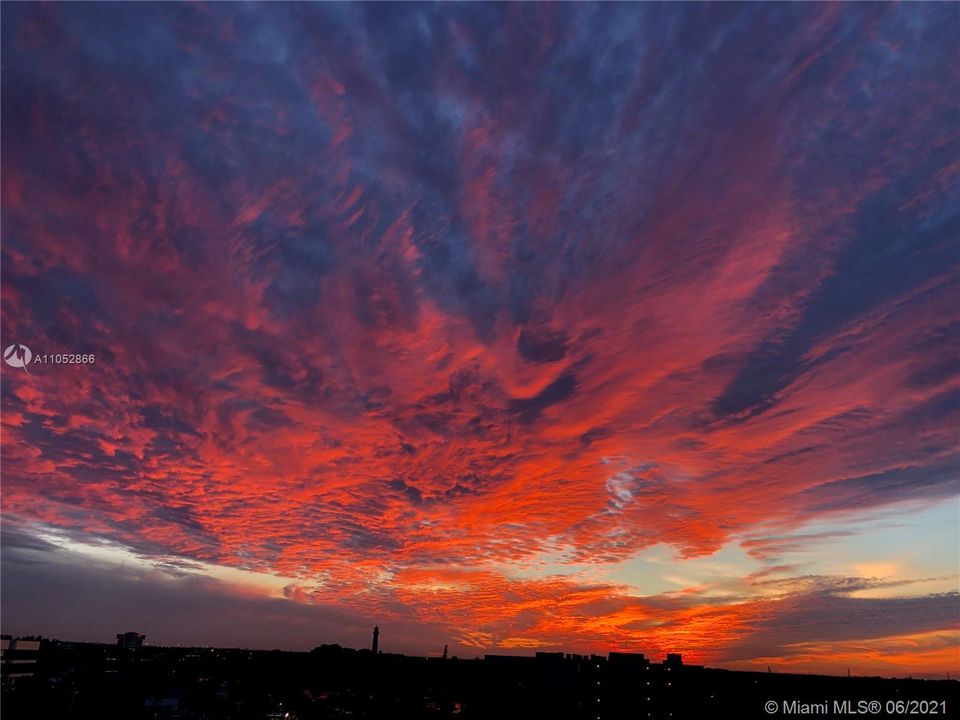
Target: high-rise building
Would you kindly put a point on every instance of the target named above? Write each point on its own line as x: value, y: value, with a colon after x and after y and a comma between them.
x: 130, y: 640
x: 18, y: 656
x: 376, y: 639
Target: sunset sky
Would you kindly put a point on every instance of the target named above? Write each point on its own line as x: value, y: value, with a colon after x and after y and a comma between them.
x: 510, y: 327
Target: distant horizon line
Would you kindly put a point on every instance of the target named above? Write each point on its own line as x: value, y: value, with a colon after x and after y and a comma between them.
x: 770, y: 668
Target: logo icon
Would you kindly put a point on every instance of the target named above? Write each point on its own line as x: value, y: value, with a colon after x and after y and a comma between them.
x: 18, y: 355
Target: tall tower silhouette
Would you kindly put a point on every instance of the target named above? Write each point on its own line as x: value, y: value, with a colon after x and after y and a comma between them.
x: 376, y: 639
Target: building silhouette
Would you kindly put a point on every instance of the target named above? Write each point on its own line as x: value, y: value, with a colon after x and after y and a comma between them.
x: 18, y: 657
x: 130, y: 640
x: 376, y: 639
x: 93, y: 681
